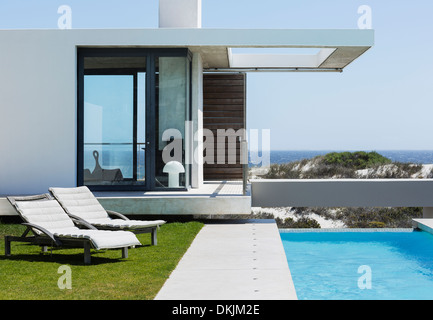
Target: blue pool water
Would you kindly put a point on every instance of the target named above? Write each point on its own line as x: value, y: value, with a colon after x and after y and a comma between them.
x: 360, y: 265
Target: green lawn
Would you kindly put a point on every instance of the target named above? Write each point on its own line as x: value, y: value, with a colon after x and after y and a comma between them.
x: 28, y: 274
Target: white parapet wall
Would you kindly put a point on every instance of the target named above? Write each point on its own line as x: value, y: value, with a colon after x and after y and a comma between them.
x: 342, y: 193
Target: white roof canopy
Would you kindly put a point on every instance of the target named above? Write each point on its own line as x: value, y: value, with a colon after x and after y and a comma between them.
x: 338, y: 47
x: 335, y: 48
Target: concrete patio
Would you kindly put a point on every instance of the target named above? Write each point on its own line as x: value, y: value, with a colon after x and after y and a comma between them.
x: 232, y: 260
x: 212, y: 198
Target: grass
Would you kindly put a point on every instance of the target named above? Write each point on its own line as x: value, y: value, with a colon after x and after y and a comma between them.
x: 30, y: 275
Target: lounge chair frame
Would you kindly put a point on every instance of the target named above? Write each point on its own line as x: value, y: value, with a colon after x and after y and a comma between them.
x: 152, y: 230
x: 47, y: 239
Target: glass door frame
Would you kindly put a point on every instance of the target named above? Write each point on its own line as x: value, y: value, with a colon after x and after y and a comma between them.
x: 151, y: 54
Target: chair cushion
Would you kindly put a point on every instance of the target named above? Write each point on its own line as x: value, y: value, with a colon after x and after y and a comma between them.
x: 47, y: 214
x: 101, y: 239
x: 80, y: 202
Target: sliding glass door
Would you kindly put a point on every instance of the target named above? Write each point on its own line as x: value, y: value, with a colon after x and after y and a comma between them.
x: 133, y: 105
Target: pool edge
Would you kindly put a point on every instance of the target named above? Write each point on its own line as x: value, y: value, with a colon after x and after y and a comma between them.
x: 284, y: 230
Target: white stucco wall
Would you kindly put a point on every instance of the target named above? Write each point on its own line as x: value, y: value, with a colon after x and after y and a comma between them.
x: 37, y: 112
x: 38, y: 104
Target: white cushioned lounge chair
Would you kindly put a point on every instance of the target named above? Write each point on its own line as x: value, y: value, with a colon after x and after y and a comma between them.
x: 81, y: 204
x: 51, y: 226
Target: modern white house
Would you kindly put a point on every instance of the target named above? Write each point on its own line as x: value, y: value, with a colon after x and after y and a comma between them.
x: 152, y: 120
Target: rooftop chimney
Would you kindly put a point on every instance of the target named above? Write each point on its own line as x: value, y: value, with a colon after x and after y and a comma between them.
x: 180, y: 13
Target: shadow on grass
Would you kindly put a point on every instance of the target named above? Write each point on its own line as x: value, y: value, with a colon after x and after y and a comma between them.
x: 63, y: 258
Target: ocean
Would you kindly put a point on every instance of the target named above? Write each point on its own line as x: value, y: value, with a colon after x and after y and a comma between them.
x: 407, y: 156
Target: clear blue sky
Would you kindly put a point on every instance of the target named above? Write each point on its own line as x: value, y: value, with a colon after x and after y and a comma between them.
x: 384, y: 100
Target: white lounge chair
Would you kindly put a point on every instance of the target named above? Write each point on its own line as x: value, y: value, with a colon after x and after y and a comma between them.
x: 81, y: 204
x: 51, y: 226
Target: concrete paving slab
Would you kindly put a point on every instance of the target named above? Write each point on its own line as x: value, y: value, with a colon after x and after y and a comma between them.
x: 239, y: 260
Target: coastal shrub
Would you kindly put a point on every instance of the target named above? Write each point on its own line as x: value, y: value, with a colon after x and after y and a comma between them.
x: 409, y: 168
x: 301, y: 223
x: 379, y: 217
x: 259, y: 215
x: 376, y: 224
x: 323, y: 171
x: 356, y: 160
x: 283, y: 171
x: 299, y: 210
x: 306, y: 223
x: 319, y: 170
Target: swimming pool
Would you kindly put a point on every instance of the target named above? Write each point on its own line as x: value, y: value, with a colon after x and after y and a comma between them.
x: 360, y: 265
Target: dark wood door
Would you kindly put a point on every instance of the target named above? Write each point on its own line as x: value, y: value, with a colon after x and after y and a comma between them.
x: 224, y: 107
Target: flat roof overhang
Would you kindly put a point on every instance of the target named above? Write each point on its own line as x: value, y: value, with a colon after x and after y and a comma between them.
x: 337, y: 47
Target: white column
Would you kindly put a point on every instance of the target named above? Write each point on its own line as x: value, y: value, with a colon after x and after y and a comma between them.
x: 180, y: 13
x: 197, y: 119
